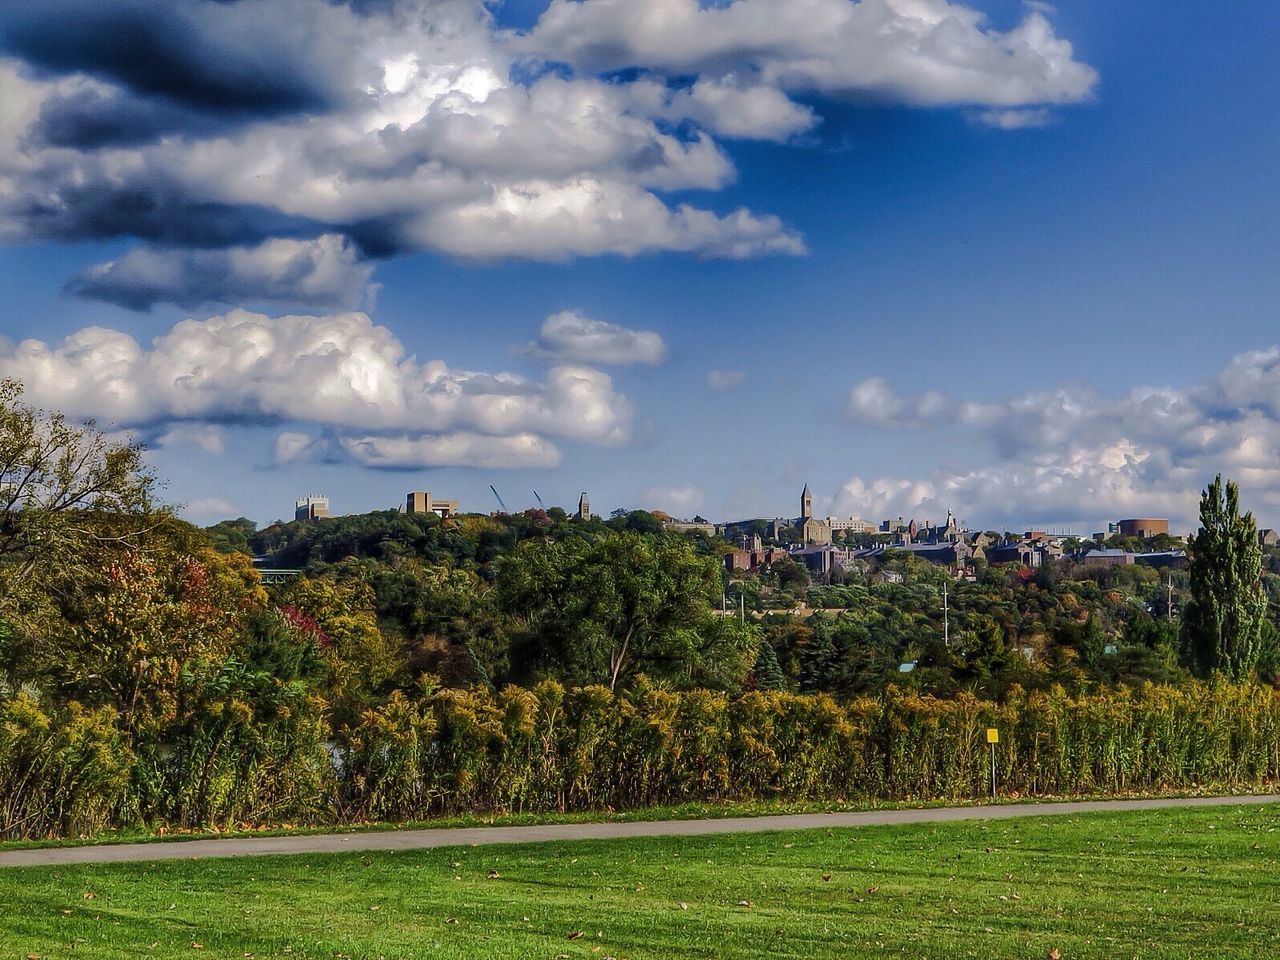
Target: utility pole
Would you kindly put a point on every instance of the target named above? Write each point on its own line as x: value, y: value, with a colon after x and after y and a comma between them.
x: 946, y: 618
x: 742, y: 605
x: 1169, y: 608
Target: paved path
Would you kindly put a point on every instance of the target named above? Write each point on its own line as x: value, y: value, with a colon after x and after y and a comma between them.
x: 468, y: 836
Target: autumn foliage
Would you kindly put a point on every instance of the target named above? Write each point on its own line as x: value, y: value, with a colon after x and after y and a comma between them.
x: 548, y: 748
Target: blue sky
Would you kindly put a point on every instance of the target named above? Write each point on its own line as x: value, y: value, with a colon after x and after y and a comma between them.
x: 1055, y: 324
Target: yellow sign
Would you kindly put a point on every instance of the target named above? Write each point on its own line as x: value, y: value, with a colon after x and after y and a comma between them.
x: 993, y: 735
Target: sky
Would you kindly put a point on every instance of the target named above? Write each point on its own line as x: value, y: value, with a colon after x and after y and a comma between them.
x: 1002, y: 258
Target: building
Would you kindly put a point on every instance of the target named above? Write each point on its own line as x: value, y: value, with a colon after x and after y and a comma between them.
x: 1143, y: 527
x: 851, y: 524
x: 584, y: 507
x: 421, y: 501
x: 311, y: 507
x: 1268, y: 537
x: 949, y: 532
x: 696, y: 525
x: 957, y: 557
x: 744, y: 560
x: 812, y: 530
x: 1107, y: 558
x: 1174, y: 559
x: 1031, y: 551
x: 822, y: 558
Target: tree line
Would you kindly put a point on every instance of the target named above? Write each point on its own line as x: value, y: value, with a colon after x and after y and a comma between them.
x: 148, y: 675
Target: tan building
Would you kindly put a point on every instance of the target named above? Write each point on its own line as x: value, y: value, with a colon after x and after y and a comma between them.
x: 421, y: 501
x: 1144, y: 527
x: 696, y: 525
x: 812, y: 530
x: 851, y: 524
x: 311, y: 507
x: 1108, y: 558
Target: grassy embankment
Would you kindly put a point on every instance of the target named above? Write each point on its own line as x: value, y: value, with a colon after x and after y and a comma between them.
x: 1144, y: 884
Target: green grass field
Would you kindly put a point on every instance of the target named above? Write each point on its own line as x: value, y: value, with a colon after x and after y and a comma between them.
x: 1145, y: 884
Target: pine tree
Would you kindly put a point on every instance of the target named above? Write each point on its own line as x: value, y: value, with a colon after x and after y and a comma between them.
x: 767, y: 671
x: 819, y: 661
x: 1222, y: 626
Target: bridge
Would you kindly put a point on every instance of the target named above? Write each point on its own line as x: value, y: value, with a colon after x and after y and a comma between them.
x: 277, y: 576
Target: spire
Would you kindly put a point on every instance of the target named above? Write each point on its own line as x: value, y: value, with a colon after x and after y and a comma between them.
x: 806, y: 503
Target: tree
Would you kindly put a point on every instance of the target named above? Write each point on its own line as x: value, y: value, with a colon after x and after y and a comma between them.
x: 792, y: 577
x: 136, y: 629
x: 599, y: 611
x: 819, y: 661
x: 767, y: 673
x: 1223, y: 624
x: 54, y: 472
x: 232, y: 536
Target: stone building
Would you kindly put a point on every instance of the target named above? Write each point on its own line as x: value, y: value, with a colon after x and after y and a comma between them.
x: 812, y: 531
x: 311, y: 507
x: 1143, y: 527
x: 421, y: 501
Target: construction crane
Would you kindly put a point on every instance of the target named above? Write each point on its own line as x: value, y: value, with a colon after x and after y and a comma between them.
x: 539, y: 499
x: 499, y: 496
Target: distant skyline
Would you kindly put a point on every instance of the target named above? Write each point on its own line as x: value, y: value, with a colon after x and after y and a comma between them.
x: 1010, y: 259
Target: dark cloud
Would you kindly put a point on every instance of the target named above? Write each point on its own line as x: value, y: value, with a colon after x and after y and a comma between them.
x: 325, y: 272
x: 168, y: 48
x: 88, y: 119
x: 98, y: 211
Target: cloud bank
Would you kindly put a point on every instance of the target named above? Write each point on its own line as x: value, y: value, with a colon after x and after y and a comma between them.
x: 341, y: 373
x: 1075, y: 454
x: 267, y: 150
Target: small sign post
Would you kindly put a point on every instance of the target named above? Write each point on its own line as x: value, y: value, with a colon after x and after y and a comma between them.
x: 993, y: 737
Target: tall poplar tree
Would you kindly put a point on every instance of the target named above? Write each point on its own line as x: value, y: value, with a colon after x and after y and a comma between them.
x: 1223, y: 625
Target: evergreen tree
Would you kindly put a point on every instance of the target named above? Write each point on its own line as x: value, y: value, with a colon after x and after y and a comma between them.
x: 1223, y: 625
x: 767, y: 671
x: 1092, y: 642
x: 819, y: 661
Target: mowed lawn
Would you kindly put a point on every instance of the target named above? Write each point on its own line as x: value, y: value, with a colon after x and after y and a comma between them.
x: 1142, y: 884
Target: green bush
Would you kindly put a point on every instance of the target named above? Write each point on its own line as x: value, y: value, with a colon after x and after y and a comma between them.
x: 547, y: 748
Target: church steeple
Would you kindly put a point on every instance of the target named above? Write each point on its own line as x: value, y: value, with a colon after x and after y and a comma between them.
x: 806, y: 503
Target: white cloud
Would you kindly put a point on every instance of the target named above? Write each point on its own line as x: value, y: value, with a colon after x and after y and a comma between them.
x: 418, y: 451
x: 342, y: 372
x: 326, y: 271
x: 919, y: 51
x: 427, y: 143
x: 725, y: 379
x: 209, y: 509
x: 544, y: 220
x: 1078, y: 487
x: 568, y: 335
x: 201, y: 436
x: 680, y: 501
x: 1074, y: 454
x: 1015, y: 119
x: 452, y: 450
x: 292, y: 446
x: 874, y: 401
x: 751, y: 111
x: 300, y: 127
